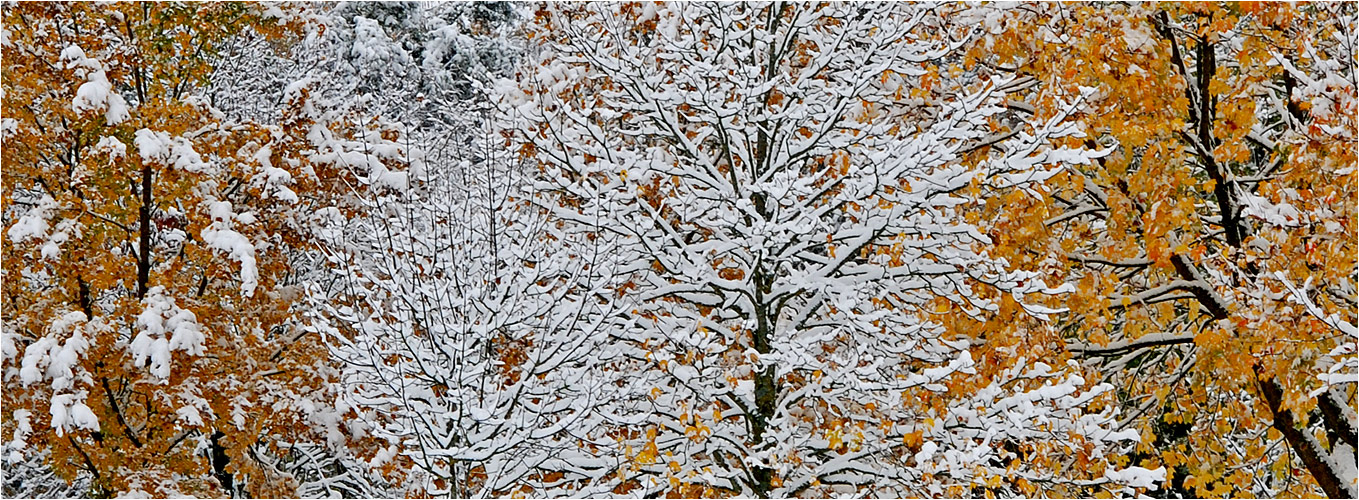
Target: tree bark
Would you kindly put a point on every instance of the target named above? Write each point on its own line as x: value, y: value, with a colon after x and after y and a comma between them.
x: 1307, y: 447
x: 766, y: 395
x: 144, y: 235
x: 219, y: 462
x: 1338, y: 421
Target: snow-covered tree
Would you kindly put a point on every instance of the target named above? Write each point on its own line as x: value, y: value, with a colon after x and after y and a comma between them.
x: 28, y: 475
x: 791, y: 183
x: 463, y: 317
x: 469, y: 323
x: 1213, y: 251
x: 149, y: 342
x: 766, y: 249
x: 410, y: 63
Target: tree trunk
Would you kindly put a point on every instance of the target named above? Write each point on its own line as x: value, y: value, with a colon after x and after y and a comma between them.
x: 144, y: 235
x: 1307, y: 447
x: 219, y: 462
x: 766, y: 398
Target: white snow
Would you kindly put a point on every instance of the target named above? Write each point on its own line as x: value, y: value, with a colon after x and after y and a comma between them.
x: 34, y: 222
x: 1344, y: 459
x: 164, y: 327
x: 70, y: 413
x: 372, y: 46
x: 1137, y: 38
x: 8, y: 127
x: 115, y: 148
x: 153, y: 145
x: 221, y: 236
x: 23, y: 426
x: 158, y: 146
x: 97, y: 92
x: 273, y: 180
x: 1137, y: 477
x: 926, y: 453
x: 48, y: 358
x: 1342, y: 462
x: 190, y: 416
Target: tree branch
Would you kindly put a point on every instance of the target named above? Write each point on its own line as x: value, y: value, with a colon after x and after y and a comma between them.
x: 1118, y: 348
x: 1306, y: 446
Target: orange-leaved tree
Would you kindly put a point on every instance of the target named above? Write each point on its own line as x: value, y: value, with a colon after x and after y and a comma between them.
x: 149, y: 343
x: 1213, y: 252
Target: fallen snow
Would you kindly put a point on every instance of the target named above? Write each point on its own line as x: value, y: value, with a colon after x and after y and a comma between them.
x: 50, y: 359
x: 97, y: 92
x: 1137, y: 477
x: 33, y: 223
x: 221, y: 236
x: 70, y: 413
x: 190, y: 416
x: 273, y: 180
x: 164, y: 327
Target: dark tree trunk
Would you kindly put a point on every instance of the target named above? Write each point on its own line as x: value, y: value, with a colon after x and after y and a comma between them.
x: 1306, y: 446
x: 219, y: 463
x: 144, y: 235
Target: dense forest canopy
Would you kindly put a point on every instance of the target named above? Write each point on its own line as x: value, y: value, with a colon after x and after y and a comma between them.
x: 679, y: 249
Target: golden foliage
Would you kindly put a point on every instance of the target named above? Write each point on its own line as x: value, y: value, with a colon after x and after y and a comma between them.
x: 133, y: 188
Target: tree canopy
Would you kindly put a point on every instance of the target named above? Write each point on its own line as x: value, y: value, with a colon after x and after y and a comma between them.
x: 762, y: 249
